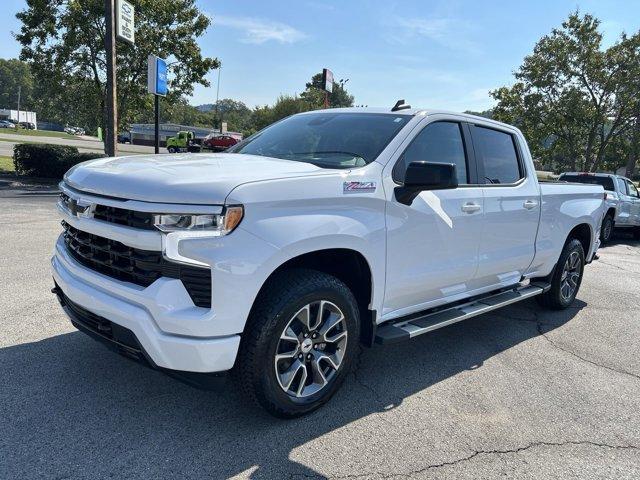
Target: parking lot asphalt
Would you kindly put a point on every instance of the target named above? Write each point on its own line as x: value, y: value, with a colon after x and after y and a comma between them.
x: 518, y: 393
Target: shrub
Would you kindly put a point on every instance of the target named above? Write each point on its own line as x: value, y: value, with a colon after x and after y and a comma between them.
x: 48, y: 161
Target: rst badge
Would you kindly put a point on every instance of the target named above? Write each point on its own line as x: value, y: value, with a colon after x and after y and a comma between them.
x: 358, y: 187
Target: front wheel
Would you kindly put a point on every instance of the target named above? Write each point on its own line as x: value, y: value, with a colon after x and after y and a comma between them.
x: 566, y: 279
x: 300, y: 342
x: 172, y: 149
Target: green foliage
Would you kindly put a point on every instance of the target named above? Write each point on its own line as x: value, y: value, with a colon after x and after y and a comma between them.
x: 63, y: 42
x: 15, y: 74
x: 314, y: 94
x: 572, y: 97
x: 285, y: 105
x: 47, y: 161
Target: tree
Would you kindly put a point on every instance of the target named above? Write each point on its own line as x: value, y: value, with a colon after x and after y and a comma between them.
x: 572, y: 98
x: 63, y: 42
x: 285, y: 105
x: 314, y: 94
x: 15, y: 75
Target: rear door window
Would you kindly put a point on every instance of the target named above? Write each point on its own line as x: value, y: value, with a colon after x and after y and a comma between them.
x: 498, y: 156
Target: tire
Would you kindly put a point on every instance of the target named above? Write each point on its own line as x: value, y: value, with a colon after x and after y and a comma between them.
x: 171, y: 150
x: 277, y: 313
x: 606, y: 230
x: 559, y: 297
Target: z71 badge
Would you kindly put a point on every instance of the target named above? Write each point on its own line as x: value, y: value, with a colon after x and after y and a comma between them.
x: 358, y: 187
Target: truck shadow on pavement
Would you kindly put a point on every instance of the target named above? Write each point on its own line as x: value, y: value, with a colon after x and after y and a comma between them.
x: 70, y: 408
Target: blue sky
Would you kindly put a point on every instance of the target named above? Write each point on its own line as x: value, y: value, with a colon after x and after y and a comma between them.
x: 434, y: 54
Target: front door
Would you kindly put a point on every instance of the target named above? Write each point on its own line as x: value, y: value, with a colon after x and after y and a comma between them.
x: 432, y: 244
x: 634, y: 201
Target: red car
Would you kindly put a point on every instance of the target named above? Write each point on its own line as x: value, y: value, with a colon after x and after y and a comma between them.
x: 219, y: 142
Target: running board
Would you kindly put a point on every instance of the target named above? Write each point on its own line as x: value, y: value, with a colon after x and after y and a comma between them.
x: 403, y: 329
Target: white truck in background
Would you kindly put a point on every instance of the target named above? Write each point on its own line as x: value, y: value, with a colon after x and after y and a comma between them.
x: 622, y: 202
x: 325, y: 231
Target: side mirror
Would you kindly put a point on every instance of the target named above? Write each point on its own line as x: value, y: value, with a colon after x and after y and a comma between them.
x: 422, y: 176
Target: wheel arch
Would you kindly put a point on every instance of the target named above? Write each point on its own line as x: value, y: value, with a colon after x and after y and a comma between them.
x: 349, y: 266
x: 582, y: 232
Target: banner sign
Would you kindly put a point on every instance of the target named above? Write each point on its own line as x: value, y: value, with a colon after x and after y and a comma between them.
x: 327, y: 80
x: 125, y: 28
x: 156, y: 75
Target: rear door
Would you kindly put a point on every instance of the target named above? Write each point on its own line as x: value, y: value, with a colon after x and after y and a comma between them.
x: 511, y: 207
x: 432, y: 244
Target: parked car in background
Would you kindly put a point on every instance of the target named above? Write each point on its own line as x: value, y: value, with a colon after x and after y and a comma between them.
x: 7, y: 124
x: 74, y: 130
x: 28, y: 125
x: 622, y: 201
x: 219, y: 142
x: 324, y: 231
x: 124, y: 137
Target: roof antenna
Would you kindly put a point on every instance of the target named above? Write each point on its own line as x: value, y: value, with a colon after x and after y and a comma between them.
x: 400, y: 105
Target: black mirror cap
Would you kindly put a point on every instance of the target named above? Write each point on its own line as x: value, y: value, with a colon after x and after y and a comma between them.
x: 421, y: 176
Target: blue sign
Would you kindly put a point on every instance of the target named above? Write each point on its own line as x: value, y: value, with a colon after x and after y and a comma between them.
x: 161, y: 77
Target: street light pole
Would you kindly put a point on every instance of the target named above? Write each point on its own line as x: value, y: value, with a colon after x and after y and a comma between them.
x: 217, y: 97
x: 110, y: 141
x: 19, y: 93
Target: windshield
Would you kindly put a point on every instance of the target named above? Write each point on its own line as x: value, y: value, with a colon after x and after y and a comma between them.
x: 606, y: 182
x: 327, y: 139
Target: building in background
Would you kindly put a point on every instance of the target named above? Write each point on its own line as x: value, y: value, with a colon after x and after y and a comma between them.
x: 12, y: 115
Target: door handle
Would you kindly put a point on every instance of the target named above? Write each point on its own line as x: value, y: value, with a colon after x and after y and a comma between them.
x: 529, y: 204
x: 470, y: 207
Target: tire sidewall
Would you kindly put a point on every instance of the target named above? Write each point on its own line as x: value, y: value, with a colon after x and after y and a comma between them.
x: 266, y: 374
x: 605, y: 238
x: 570, y: 247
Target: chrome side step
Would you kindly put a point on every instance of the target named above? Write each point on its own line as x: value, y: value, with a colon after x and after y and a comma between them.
x: 404, y: 329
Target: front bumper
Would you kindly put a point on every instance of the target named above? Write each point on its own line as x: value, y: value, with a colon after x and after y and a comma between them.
x: 139, y: 310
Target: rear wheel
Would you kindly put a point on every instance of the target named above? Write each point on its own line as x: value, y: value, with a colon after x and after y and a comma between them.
x: 300, y: 342
x: 566, y: 279
x: 172, y: 149
x: 606, y: 230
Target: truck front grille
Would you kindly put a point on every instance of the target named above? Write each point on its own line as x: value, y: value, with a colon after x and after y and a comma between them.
x: 142, y: 267
x: 121, y: 216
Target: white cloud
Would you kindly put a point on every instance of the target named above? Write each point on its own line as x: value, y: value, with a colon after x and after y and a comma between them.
x: 259, y: 30
x: 448, y: 32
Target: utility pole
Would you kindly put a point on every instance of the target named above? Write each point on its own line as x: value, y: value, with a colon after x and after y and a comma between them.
x: 19, y: 93
x: 110, y: 140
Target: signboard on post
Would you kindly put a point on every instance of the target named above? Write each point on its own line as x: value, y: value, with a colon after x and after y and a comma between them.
x: 157, y: 86
x: 327, y: 80
x: 156, y: 75
x: 125, y: 28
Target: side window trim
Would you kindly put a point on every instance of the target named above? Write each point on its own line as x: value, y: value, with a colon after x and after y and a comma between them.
x: 480, y: 161
x: 466, y: 144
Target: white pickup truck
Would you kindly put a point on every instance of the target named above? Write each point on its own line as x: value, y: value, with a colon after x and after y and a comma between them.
x: 622, y: 201
x: 323, y: 232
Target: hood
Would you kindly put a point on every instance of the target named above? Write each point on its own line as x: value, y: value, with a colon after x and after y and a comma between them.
x: 183, y: 178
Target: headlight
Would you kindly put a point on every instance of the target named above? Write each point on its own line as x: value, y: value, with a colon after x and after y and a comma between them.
x: 220, y: 224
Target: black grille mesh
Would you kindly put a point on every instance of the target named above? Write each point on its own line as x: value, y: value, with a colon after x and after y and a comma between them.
x: 121, y: 216
x: 142, y: 267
